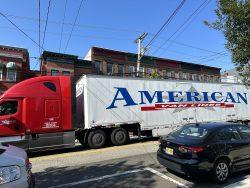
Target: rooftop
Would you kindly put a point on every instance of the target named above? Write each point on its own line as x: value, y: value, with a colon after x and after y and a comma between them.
x: 151, y: 58
x: 14, y: 48
x: 61, y: 55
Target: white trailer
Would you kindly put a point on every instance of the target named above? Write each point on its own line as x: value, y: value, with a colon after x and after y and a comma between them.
x: 156, y: 107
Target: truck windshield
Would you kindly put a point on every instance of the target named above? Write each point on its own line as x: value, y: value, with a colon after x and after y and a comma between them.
x: 8, y: 107
x: 191, y: 131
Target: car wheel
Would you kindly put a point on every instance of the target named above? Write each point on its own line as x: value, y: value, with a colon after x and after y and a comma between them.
x: 119, y: 136
x: 96, y: 139
x: 221, y: 171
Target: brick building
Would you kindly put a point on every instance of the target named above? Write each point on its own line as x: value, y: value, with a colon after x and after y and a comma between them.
x: 14, y: 66
x: 112, y: 62
x: 64, y: 64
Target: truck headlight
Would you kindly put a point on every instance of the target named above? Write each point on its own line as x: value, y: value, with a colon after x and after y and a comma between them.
x: 9, y: 174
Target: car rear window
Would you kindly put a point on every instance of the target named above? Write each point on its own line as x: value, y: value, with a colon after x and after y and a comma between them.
x: 245, y: 131
x: 192, y: 132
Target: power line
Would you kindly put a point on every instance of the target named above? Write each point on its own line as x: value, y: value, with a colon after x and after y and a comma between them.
x: 3, y: 15
x: 46, y: 22
x: 194, y: 47
x: 108, y: 28
x: 65, y: 7
x: 76, y: 35
x: 178, y: 43
x: 127, y: 39
x: 166, y: 23
x: 184, y: 23
x: 193, y: 19
x: 45, y: 29
x: 74, y: 25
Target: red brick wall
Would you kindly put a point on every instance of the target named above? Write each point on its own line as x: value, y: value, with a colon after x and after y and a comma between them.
x: 20, y: 58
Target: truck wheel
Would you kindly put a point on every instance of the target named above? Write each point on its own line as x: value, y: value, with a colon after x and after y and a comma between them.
x: 119, y: 136
x: 96, y: 139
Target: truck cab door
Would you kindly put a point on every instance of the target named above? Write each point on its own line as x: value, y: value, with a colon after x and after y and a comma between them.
x: 11, y: 118
x: 52, y: 115
x: 48, y: 131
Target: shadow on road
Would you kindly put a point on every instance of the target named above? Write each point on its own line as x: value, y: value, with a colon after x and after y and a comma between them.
x: 79, y: 147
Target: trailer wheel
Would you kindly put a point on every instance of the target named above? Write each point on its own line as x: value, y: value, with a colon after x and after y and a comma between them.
x: 119, y: 136
x: 96, y: 139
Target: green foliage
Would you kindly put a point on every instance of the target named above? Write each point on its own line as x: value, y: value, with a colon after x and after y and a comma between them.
x: 154, y: 75
x: 233, y: 19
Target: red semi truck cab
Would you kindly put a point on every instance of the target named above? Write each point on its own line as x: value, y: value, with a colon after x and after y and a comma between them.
x: 38, y: 113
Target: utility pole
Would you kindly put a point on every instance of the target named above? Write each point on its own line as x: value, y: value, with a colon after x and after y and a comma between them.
x: 140, y: 52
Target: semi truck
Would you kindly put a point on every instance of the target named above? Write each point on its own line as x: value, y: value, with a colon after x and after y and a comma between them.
x: 50, y: 112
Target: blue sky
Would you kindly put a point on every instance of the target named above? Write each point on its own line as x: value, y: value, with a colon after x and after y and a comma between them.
x: 115, y: 24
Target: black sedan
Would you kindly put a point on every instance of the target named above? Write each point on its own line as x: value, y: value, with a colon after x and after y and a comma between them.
x: 217, y: 148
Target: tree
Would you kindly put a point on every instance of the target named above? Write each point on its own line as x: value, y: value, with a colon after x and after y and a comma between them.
x: 154, y: 75
x: 233, y: 19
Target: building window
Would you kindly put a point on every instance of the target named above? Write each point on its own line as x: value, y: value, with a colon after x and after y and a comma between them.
x: 121, y: 70
x: 212, y: 78
x: 141, y: 72
x: 149, y: 71
x: 176, y: 75
x: 66, y: 73
x: 160, y: 72
x: 54, y: 72
x: 216, y: 79
x: 109, y: 69
x: 1, y: 74
x: 191, y: 77
x: 1, y: 70
x: 11, y: 71
x: 132, y: 70
x: 97, y: 65
x: 184, y: 75
x: 201, y: 78
x: 196, y: 77
x: 11, y: 75
x: 205, y: 78
x: 168, y: 75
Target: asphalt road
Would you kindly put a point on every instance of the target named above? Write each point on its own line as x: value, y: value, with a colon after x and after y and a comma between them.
x: 132, y: 165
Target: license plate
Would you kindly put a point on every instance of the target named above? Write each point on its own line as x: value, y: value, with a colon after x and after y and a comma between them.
x: 169, y: 151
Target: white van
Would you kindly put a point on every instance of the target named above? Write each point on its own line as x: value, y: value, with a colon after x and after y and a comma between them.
x: 15, y: 168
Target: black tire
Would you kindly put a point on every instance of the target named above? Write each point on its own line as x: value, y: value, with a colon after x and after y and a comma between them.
x: 97, y: 139
x: 119, y: 136
x: 221, y: 171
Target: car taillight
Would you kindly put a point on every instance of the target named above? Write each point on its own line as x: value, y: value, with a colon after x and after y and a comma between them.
x: 192, y: 149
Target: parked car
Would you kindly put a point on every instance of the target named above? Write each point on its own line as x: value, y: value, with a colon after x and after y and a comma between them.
x: 217, y: 148
x: 15, y: 168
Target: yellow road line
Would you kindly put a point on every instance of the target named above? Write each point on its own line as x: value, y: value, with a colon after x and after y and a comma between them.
x: 88, y: 152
